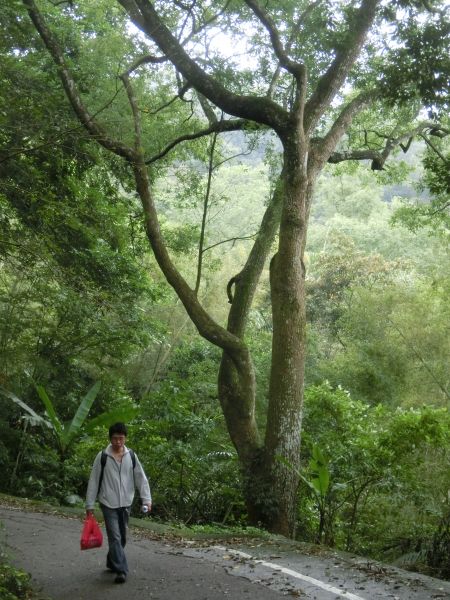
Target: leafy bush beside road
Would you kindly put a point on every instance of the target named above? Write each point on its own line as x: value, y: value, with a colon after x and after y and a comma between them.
x: 14, y: 583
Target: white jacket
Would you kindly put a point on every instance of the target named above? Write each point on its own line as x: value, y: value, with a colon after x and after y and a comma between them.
x: 119, y: 481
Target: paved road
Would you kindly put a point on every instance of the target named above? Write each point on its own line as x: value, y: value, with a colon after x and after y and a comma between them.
x: 47, y: 546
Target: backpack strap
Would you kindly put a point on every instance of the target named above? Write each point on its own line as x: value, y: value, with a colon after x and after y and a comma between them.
x: 133, y: 458
x: 103, y: 459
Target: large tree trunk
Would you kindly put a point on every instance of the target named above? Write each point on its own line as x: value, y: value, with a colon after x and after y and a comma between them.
x: 237, y: 401
x: 270, y: 486
x: 287, y: 282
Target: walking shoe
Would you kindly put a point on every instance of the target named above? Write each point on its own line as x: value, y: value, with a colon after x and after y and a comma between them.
x: 121, y: 578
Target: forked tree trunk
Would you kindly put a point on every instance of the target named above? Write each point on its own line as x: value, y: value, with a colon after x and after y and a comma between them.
x: 270, y: 485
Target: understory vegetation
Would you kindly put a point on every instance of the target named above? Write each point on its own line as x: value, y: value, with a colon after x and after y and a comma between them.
x: 376, y: 441
x: 92, y: 333
x: 14, y: 583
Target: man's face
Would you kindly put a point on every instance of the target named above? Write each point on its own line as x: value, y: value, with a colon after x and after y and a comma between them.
x: 118, y: 441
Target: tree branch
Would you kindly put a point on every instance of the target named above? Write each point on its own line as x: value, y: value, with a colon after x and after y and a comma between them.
x: 273, y: 81
x: 179, y: 96
x: 392, y: 143
x: 93, y: 128
x: 233, y: 239
x: 247, y: 280
x: 135, y: 111
x: 330, y: 83
x: 435, y: 150
x: 439, y: 210
x: 145, y: 60
x: 232, y: 157
x: 338, y: 157
x: 197, y: 30
x: 205, y: 324
x: 261, y: 110
x: 217, y: 127
x: 209, y: 112
x: 205, y: 212
x: 298, y: 70
x: 294, y: 32
x: 328, y: 144
x: 378, y: 157
x: 133, y: 12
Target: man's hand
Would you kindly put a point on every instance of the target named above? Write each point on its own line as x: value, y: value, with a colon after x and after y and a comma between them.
x: 89, y: 512
x: 149, y: 506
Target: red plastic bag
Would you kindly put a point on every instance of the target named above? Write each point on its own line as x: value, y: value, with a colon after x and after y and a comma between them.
x: 91, y: 536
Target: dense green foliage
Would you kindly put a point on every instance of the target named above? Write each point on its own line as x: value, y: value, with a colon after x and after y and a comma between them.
x: 388, y: 474
x: 381, y: 459
x: 14, y: 583
x: 81, y: 301
x: 384, y: 462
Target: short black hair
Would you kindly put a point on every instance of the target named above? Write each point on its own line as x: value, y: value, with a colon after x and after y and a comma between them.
x: 119, y: 428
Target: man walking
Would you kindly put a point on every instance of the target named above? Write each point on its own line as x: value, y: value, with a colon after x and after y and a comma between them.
x: 115, y: 474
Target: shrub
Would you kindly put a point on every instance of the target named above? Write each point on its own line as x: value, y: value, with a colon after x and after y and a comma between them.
x: 14, y: 583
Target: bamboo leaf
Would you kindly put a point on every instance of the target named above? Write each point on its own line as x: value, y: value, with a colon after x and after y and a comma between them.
x: 321, y: 481
x: 108, y: 418
x: 37, y: 419
x: 82, y: 412
x: 310, y: 484
x: 320, y: 474
x: 56, y: 423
